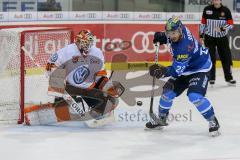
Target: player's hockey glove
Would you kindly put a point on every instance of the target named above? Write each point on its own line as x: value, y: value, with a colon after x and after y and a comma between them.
x: 157, y: 71
x: 160, y: 37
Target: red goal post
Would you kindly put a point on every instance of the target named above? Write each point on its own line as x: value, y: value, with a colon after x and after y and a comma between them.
x: 24, y: 53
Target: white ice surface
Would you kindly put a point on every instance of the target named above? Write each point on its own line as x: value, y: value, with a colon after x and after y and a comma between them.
x: 186, y: 138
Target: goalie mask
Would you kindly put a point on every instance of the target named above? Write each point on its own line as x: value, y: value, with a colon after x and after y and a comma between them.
x: 84, y: 40
x: 174, y: 29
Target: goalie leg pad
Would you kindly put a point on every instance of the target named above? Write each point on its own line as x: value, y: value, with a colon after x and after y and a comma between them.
x: 40, y: 115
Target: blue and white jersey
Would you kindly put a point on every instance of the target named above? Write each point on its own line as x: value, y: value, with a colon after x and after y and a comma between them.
x: 189, y: 56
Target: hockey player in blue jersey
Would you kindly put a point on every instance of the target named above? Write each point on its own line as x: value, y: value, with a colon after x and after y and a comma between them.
x: 189, y: 70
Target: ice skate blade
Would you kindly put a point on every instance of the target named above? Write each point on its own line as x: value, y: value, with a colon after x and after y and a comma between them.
x: 211, y: 85
x: 215, y: 133
x: 154, y: 129
x: 231, y: 85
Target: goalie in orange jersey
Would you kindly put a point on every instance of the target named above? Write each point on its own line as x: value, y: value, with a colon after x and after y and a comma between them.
x: 79, y: 81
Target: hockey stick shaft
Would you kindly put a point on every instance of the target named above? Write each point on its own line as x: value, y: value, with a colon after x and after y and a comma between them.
x: 110, y: 77
x: 152, y: 115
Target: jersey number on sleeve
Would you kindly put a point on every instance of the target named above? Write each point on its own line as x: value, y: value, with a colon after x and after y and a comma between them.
x: 203, y: 51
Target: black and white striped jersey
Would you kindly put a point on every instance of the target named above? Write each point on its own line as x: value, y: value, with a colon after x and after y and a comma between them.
x: 214, y: 19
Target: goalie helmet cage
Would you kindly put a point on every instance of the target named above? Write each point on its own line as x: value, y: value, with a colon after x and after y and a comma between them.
x: 24, y: 53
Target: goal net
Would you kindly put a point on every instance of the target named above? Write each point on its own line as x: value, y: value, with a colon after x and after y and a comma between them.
x: 23, y: 55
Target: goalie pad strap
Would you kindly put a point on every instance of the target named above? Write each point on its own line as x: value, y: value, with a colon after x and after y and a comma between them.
x: 101, y: 73
x: 33, y: 108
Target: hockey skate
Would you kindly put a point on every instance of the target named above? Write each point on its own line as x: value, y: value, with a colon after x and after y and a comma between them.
x: 231, y: 82
x: 211, y: 82
x: 214, y: 127
x: 156, y: 124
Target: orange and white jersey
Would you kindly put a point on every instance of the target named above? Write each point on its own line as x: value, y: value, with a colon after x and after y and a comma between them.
x: 82, y: 72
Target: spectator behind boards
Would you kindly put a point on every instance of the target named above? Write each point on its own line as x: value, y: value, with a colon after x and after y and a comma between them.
x: 50, y: 5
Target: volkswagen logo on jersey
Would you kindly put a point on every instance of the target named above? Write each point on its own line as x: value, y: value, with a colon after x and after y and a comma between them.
x: 81, y: 74
x: 54, y: 57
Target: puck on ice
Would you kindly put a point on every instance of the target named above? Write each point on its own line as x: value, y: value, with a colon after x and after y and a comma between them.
x: 139, y: 103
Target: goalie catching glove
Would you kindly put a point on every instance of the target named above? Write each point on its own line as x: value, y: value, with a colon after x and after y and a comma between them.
x: 157, y: 71
x: 112, y: 88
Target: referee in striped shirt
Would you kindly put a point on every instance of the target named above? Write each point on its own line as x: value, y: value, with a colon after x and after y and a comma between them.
x: 215, y: 24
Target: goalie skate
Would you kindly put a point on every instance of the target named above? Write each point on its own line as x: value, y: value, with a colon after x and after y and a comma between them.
x: 231, y: 82
x: 101, y: 121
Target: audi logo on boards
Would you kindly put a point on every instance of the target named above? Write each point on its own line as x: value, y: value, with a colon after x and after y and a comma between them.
x: 156, y: 16
x: 92, y: 15
x: 146, y: 44
x: 58, y: 15
x: 124, y: 15
x: 189, y: 16
x: 27, y: 16
x: 117, y: 46
x: 140, y: 42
